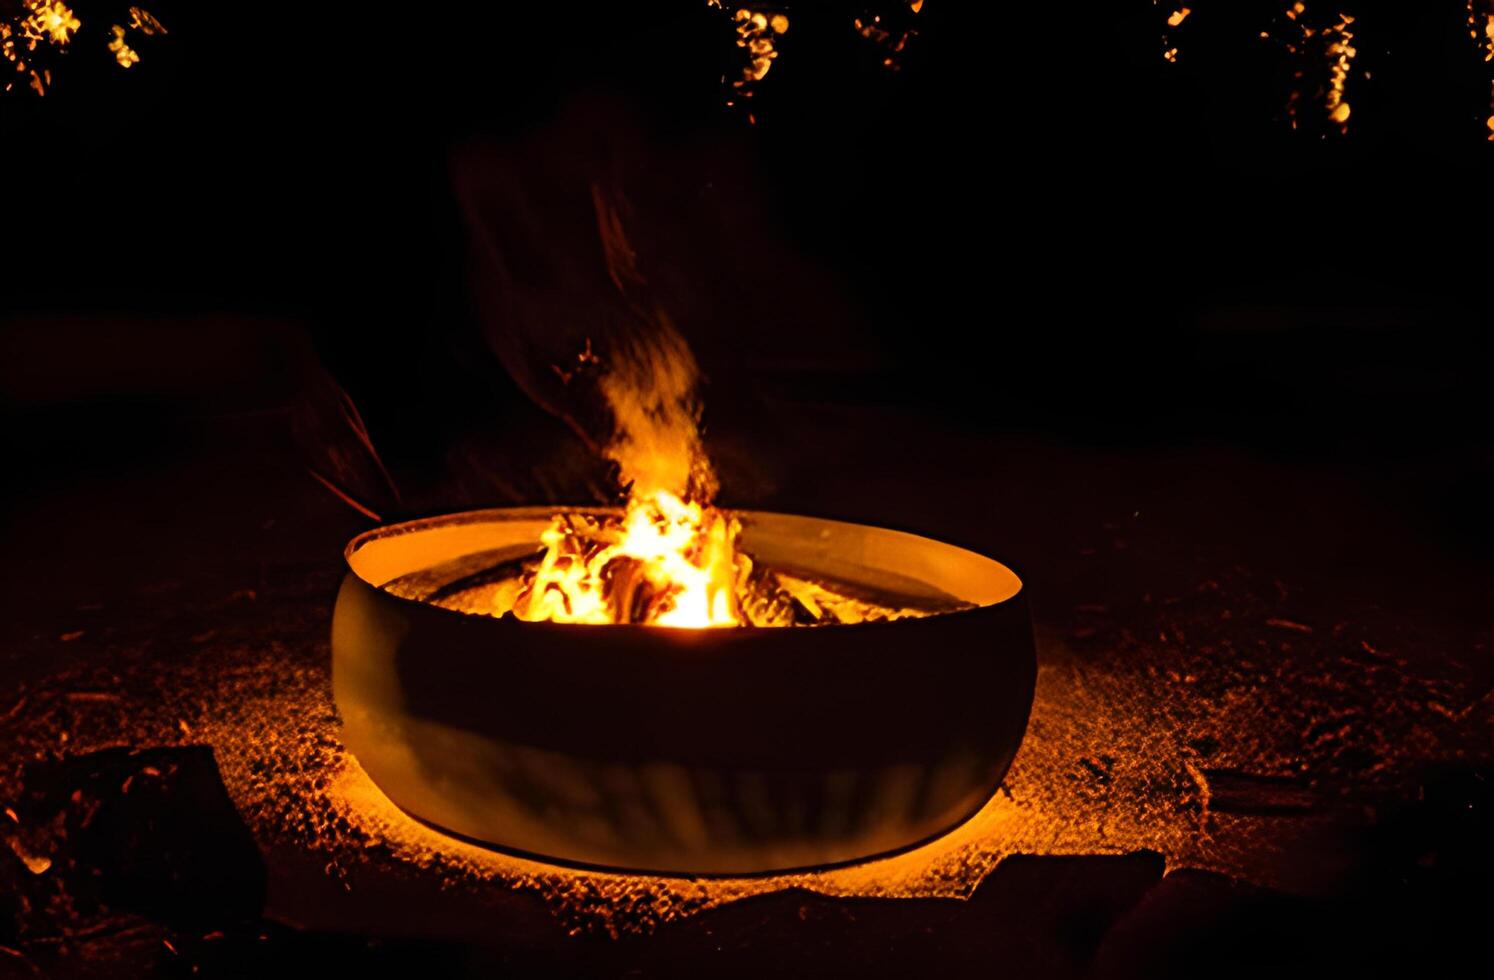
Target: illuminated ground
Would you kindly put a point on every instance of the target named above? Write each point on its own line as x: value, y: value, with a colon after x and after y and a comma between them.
x: 1246, y: 669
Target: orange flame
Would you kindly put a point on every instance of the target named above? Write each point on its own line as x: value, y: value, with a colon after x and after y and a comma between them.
x: 671, y: 560
x: 668, y: 562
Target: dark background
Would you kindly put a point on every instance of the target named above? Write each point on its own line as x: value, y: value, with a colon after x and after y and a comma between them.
x: 1038, y: 291
x: 1037, y: 224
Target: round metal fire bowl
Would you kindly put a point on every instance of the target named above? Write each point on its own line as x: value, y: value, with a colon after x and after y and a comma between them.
x: 714, y: 751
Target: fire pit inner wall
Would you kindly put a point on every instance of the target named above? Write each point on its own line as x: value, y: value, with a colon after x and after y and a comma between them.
x: 686, y: 751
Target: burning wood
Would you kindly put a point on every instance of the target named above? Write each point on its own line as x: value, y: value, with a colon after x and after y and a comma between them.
x: 498, y: 585
x: 665, y: 562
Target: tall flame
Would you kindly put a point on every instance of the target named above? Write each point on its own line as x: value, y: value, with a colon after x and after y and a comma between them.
x: 671, y: 559
x: 650, y: 387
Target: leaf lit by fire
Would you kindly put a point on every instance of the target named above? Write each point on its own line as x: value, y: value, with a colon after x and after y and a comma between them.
x: 123, y: 53
x: 1481, y: 32
x: 37, y: 30
x: 1332, y: 41
x: 1341, y: 54
x: 891, y: 29
x: 142, y: 21
x: 756, y: 34
x: 54, y: 19
x: 1173, y: 20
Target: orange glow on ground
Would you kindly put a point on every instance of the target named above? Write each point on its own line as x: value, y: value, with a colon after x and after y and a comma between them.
x: 301, y: 793
x: 1168, y: 710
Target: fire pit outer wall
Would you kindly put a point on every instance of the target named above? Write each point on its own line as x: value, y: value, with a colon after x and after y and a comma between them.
x: 713, y: 751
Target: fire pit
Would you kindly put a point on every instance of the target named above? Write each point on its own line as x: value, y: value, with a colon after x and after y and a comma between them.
x: 690, y: 751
